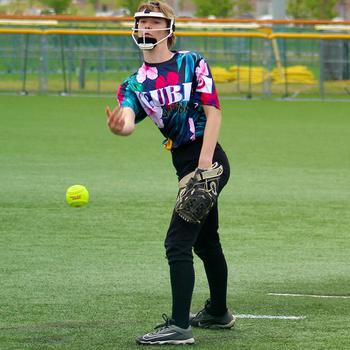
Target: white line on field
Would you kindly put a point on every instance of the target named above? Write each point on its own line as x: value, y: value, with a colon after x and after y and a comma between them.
x: 310, y: 295
x: 271, y: 317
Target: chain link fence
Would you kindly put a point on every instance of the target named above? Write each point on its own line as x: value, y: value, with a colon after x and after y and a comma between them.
x: 281, y: 66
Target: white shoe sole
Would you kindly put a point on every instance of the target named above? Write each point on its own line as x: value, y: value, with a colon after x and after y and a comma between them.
x: 163, y: 342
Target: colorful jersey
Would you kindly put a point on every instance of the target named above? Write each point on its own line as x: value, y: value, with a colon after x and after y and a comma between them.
x: 172, y: 94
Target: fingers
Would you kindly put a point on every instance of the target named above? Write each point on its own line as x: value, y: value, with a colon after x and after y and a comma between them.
x: 115, y: 119
x: 114, y: 113
x: 108, y: 112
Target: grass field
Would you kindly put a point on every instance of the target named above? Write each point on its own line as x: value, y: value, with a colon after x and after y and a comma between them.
x: 93, y: 278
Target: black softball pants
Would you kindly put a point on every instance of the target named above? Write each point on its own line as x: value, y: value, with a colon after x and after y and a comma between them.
x: 203, y: 238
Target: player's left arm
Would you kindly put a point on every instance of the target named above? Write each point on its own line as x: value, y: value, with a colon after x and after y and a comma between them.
x: 210, y: 137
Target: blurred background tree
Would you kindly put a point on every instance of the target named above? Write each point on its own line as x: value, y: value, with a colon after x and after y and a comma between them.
x: 131, y: 5
x: 320, y: 9
x: 95, y: 4
x: 205, y: 8
x: 297, y: 9
x: 59, y: 6
x: 223, y: 8
x: 242, y: 7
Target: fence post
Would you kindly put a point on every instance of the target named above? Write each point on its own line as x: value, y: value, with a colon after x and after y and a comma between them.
x: 82, y: 74
x: 249, y: 95
x: 266, y: 64
x: 100, y: 65
x: 239, y: 52
x: 65, y: 90
x: 321, y: 82
x: 285, y: 75
x: 25, y: 64
x: 43, y: 70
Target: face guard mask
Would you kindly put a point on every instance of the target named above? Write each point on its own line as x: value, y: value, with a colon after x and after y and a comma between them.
x: 146, y: 43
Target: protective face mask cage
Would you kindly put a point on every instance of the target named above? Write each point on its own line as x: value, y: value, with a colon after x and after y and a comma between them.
x: 146, y: 43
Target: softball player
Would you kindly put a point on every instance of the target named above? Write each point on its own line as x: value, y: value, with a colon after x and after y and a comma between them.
x: 176, y: 90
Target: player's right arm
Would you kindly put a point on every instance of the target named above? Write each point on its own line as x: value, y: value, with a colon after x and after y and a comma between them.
x: 121, y: 121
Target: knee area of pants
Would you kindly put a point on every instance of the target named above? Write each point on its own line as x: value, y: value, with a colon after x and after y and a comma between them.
x: 172, y: 259
x: 175, y: 253
x: 207, y: 253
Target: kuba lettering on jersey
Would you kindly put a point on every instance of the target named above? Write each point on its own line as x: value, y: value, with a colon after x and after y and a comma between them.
x: 167, y: 95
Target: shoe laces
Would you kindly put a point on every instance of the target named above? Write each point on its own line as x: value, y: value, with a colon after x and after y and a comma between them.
x: 165, y: 324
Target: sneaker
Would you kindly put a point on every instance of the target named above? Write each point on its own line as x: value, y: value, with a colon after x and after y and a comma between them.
x: 167, y: 333
x: 204, y: 319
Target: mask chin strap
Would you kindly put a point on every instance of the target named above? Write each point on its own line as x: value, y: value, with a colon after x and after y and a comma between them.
x: 146, y: 43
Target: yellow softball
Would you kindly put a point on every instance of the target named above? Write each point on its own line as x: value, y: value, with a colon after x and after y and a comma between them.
x: 77, y: 196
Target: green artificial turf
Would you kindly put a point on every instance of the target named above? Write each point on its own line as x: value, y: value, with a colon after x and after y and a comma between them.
x: 95, y: 277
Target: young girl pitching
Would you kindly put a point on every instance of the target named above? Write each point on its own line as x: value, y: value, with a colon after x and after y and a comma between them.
x: 176, y: 90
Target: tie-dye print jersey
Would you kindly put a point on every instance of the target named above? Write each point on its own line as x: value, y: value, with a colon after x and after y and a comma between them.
x: 172, y: 94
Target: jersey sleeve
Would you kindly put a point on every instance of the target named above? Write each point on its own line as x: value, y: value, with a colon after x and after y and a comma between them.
x: 127, y: 98
x: 204, y: 84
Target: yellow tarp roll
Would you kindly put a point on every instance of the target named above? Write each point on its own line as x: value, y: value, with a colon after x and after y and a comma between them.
x: 222, y: 75
x: 256, y: 74
x: 293, y: 74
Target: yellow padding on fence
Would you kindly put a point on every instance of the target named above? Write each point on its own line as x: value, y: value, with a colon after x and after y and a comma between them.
x: 293, y: 74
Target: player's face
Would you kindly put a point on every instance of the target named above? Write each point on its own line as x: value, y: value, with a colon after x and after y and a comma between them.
x: 152, y: 23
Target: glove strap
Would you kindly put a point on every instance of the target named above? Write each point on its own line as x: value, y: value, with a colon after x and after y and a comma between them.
x: 215, y: 171
x: 202, y: 174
